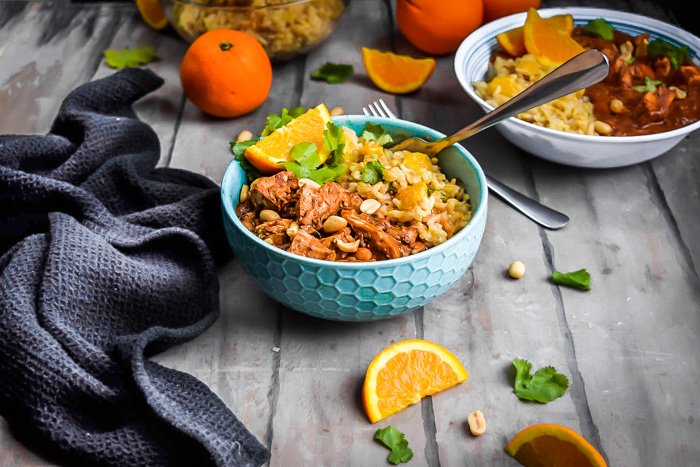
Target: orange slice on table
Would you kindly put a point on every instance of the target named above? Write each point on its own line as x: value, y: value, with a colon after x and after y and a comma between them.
x: 396, y: 74
x: 513, y: 41
x: 546, y: 42
x: 267, y: 154
x: 152, y: 13
x: 552, y: 445
x: 405, y: 372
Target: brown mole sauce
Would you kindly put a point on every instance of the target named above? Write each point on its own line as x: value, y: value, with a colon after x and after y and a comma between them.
x: 643, y: 112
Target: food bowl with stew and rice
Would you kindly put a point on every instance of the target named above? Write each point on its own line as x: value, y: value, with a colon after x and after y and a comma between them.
x: 285, y: 28
x: 647, y: 105
x: 389, y: 234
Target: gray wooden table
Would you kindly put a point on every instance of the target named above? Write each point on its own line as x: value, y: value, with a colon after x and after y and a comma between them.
x: 630, y: 345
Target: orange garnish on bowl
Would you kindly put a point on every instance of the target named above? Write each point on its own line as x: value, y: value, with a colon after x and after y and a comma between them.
x: 552, y: 445
x: 513, y: 41
x: 267, y: 154
x: 152, y: 13
x: 397, y: 74
x: 546, y: 42
x: 405, y: 372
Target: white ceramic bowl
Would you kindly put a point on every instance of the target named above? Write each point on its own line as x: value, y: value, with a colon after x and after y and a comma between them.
x: 471, y: 64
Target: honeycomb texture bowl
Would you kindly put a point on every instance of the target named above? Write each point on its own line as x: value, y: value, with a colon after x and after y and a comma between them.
x: 361, y: 291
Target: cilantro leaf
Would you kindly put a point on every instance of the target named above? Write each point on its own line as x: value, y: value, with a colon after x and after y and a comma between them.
x: 580, y: 279
x: 544, y: 386
x: 396, y: 442
x: 130, y: 58
x: 648, y: 86
x: 275, y: 121
x: 238, y: 149
x: 377, y: 133
x: 332, y: 73
x: 601, y: 28
x: 372, y: 172
x: 676, y: 55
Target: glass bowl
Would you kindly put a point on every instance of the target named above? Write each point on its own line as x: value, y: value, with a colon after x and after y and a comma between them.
x: 285, y: 28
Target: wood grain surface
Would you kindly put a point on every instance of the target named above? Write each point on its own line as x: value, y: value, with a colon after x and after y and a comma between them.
x: 630, y: 346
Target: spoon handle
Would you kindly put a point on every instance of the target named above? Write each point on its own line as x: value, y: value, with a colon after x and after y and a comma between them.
x: 585, y: 69
x: 546, y: 217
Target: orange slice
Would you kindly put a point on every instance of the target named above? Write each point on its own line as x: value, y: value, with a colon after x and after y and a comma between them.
x: 548, y: 44
x: 513, y: 41
x: 552, y: 445
x: 405, y: 372
x: 397, y: 74
x: 152, y: 13
x: 267, y: 154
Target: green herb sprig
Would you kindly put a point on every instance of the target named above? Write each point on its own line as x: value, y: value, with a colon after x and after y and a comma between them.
x: 333, y: 73
x: 396, y: 442
x: 130, y: 58
x: 543, y: 386
x: 580, y: 279
x: 601, y: 28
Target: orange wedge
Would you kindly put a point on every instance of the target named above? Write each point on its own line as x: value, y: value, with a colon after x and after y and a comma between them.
x: 552, y: 445
x: 397, y: 74
x: 548, y: 44
x: 405, y: 372
x: 513, y: 41
x: 267, y: 154
x: 152, y: 13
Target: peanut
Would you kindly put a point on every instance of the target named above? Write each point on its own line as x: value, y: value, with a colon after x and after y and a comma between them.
x: 680, y: 94
x: 363, y: 254
x: 516, y: 270
x: 616, y: 106
x: 602, y: 128
x: 244, y: 194
x: 245, y: 135
x: 308, y: 181
x: 336, y: 111
x: 268, y: 215
x: 347, y: 247
x: 370, y: 206
x: 477, y: 423
x: 334, y: 224
x: 292, y: 230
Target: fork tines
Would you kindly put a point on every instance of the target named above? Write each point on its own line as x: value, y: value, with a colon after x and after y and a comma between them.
x: 378, y: 108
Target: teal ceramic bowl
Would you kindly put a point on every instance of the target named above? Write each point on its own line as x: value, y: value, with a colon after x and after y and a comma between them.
x: 362, y: 291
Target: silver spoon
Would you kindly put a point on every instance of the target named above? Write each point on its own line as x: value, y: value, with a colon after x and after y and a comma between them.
x: 585, y: 69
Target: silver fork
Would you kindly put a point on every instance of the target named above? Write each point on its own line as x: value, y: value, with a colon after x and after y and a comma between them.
x: 543, y: 215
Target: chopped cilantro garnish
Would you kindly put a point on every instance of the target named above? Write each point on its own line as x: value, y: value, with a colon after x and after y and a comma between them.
x: 544, y: 386
x: 601, y: 28
x: 648, y: 86
x: 677, y: 55
x: 130, y: 58
x: 275, y: 121
x: 580, y: 279
x: 238, y: 149
x: 332, y: 73
x: 372, y: 172
x: 306, y: 162
x: 396, y: 442
x: 373, y: 132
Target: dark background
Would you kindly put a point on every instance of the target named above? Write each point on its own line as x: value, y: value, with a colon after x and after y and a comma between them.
x: 684, y: 15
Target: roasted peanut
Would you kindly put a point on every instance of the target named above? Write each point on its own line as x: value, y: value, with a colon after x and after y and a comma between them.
x: 308, y: 181
x: 244, y: 135
x: 616, y: 106
x: 244, y: 194
x: 336, y: 111
x: 347, y: 247
x: 334, y: 224
x: 516, y: 270
x: 268, y: 215
x: 602, y: 128
x: 680, y: 94
x: 292, y: 230
x: 363, y: 254
x: 370, y: 206
x: 477, y: 423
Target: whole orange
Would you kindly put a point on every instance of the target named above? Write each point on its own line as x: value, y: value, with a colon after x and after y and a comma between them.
x: 494, y: 9
x: 438, y: 27
x: 226, y: 73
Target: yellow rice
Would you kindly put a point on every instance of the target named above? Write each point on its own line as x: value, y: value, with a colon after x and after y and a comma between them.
x: 413, y: 189
x: 507, y: 77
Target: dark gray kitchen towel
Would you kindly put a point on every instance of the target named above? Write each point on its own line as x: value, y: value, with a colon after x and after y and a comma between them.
x: 104, y: 260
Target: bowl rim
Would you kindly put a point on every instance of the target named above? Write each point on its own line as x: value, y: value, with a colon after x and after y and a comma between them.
x: 413, y: 128
x: 492, y: 28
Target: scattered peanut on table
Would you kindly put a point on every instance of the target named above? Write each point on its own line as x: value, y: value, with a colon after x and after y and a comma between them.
x: 337, y: 111
x: 516, y: 270
x: 245, y: 135
x: 477, y: 423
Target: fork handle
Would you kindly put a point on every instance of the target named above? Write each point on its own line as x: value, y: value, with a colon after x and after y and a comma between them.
x: 585, y: 69
x: 546, y: 217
